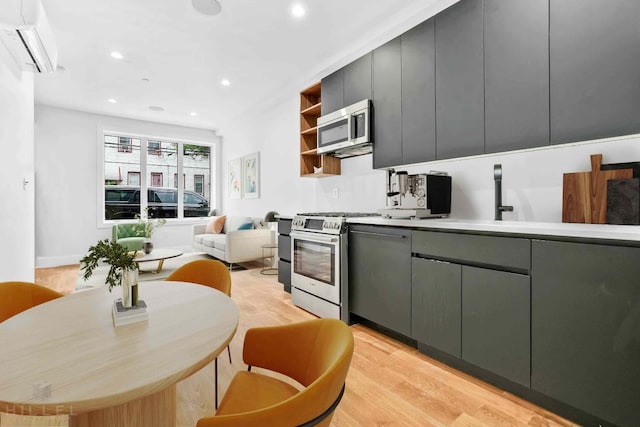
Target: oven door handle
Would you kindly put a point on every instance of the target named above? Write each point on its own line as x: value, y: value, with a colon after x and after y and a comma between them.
x: 313, y: 237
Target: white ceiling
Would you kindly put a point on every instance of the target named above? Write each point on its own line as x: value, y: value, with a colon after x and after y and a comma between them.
x: 257, y: 44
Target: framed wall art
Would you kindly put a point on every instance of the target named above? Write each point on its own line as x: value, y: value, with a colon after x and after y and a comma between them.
x: 235, y: 178
x: 251, y: 176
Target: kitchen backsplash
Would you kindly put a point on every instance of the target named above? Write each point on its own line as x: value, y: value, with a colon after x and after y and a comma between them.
x: 532, y: 180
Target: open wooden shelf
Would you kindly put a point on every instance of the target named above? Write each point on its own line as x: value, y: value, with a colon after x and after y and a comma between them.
x: 312, y: 164
x: 314, y: 110
x: 310, y: 131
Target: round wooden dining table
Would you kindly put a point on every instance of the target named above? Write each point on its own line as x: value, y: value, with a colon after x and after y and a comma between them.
x: 66, y: 356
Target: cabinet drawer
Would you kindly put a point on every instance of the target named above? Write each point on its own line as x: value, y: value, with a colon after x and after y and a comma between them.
x: 508, y: 252
x: 284, y: 247
x: 284, y: 226
x: 284, y: 274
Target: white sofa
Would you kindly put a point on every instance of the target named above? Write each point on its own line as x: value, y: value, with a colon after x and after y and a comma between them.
x: 233, y: 245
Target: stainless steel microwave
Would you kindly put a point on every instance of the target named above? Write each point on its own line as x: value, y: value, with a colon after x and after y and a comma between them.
x: 346, y: 132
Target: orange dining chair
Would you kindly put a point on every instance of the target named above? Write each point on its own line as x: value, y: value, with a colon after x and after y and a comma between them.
x: 16, y: 297
x: 315, y: 353
x: 207, y: 272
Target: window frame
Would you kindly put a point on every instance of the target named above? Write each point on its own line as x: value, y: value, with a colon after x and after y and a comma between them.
x: 195, y: 184
x: 130, y: 174
x: 214, y: 167
x: 121, y: 147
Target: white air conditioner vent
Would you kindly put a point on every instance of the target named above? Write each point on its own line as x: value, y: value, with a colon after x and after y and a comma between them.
x: 25, y: 31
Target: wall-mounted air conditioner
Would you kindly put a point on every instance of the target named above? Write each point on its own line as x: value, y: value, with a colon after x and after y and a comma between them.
x: 25, y: 31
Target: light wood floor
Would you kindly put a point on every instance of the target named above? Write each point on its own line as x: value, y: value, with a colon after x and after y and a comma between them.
x: 389, y: 383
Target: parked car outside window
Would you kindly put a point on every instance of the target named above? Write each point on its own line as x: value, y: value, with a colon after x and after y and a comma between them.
x: 123, y: 202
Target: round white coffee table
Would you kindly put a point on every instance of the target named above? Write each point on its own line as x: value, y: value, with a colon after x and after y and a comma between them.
x: 157, y: 255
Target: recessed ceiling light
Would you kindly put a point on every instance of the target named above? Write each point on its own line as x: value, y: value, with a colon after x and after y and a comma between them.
x: 193, y: 114
x: 111, y: 100
x: 146, y: 80
x: 225, y: 82
x: 156, y: 108
x: 60, y: 69
x: 297, y: 10
x: 207, y: 7
x: 116, y: 55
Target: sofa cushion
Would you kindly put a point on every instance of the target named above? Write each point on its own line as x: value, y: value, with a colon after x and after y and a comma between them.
x: 246, y: 226
x: 233, y: 222
x: 131, y: 243
x: 210, y: 240
x: 216, y: 224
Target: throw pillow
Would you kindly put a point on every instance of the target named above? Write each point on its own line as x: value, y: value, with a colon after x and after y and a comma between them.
x: 215, y: 225
x: 246, y: 226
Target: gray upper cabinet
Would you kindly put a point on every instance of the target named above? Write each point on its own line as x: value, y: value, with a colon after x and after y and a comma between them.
x: 418, y: 94
x: 387, y: 119
x: 585, y: 311
x: 516, y: 61
x: 459, y: 80
x: 332, y: 92
x: 357, y: 80
x: 594, y: 69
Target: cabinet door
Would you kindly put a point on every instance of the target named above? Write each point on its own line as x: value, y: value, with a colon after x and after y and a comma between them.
x: 418, y: 94
x: 516, y: 74
x: 496, y: 322
x: 357, y: 80
x: 387, y: 122
x: 594, y: 69
x: 459, y: 80
x: 436, y: 304
x: 586, y: 327
x: 380, y: 276
x: 284, y: 247
x: 332, y: 92
x: 284, y: 274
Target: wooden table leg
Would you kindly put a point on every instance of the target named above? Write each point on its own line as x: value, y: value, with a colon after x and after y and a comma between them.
x: 156, y: 410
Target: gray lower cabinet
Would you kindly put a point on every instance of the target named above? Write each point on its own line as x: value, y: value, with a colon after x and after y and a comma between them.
x: 516, y: 74
x: 418, y: 94
x: 284, y: 253
x: 357, y: 80
x: 496, y: 322
x: 387, y: 118
x: 332, y: 92
x: 436, y: 294
x: 594, y: 69
x: 586, y: 327
x: 380, y: 276
x: 459, y: 80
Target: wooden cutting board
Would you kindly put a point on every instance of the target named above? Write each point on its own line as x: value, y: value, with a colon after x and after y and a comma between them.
x: 584, y: 194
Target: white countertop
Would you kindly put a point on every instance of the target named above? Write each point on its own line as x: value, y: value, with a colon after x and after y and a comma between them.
x: 629, y: 233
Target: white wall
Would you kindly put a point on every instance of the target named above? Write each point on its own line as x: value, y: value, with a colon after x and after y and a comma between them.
x: 66, y: 190
x: 16, y: 165
x: 532, y: 179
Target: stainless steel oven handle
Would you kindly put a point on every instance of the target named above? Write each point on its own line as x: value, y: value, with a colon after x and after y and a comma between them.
x: 312, y: 237
x: 368, y: 233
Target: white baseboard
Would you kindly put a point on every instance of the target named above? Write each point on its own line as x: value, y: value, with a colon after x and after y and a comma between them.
x: 56, y: 261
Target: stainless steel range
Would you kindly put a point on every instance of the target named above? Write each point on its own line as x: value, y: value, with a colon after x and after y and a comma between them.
x: 319, y: 262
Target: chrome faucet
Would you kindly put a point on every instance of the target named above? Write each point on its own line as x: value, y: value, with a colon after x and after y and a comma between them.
x: 497, y: 177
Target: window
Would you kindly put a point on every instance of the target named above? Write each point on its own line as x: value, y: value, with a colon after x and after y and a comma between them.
x: 153, y: 148
x: 133, y: 178
x: 134, y: 171
x: 156, y: 179
x: 124, y: 145
x: 198, y: 184
x: 175, y: 181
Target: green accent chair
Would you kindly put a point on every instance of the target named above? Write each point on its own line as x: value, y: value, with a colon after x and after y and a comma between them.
x: 129, y: 235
